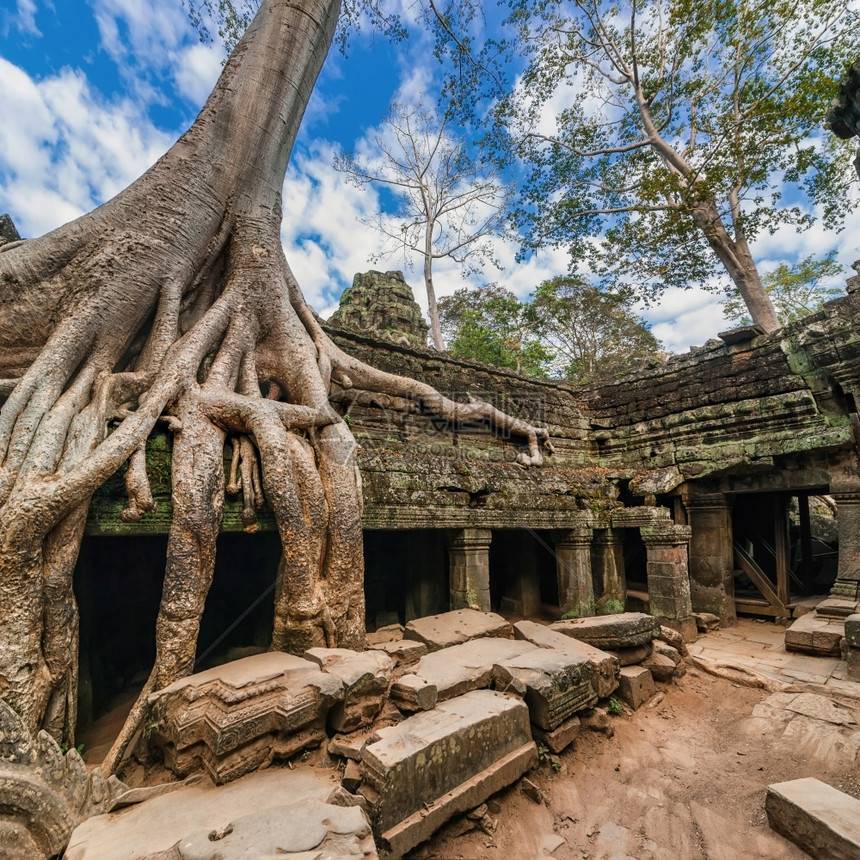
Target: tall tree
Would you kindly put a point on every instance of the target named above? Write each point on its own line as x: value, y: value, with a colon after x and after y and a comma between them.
x: 493, y: 326
x: 678, y: 131
x: 173, y: 303
x: 795, y: 290
x: 448, y: 204
x: 593, y: 333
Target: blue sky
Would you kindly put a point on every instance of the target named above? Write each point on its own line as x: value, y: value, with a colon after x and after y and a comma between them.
x: 93, y: 91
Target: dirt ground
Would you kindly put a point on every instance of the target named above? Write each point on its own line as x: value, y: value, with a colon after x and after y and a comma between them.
x: 683, y: 777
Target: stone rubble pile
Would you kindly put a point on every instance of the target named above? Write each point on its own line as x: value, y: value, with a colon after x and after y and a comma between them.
x: 426, y: 724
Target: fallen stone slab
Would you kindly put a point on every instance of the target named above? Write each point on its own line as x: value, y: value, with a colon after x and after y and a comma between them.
x: 632, y: 656
x: 635, y: 686
x: 404, y: 652
x: 667, y: 650
x: 706, y: 622
x: 462, y: 668
x: 611, y: 632
x: 816, y: 817
x: 366, y: 677
x: 236, y: 718
x: 556, y: 685
x: 814, y: 634
x: 605, y: 666
x: 441, y: 763
x: 412, y: 693
x: 390, y: 633
x: 454, y: 628
x: 662, y: 668
x: 278, y: 812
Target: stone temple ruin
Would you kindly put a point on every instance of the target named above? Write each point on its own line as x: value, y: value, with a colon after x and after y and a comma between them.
x: 684, y: 493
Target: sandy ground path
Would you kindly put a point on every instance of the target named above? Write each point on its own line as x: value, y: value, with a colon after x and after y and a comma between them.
x: 682, y: 778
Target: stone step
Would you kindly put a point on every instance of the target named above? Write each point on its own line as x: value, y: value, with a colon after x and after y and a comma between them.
x: 816, y: 817
x: 814, y: 634
x: 440, y: 763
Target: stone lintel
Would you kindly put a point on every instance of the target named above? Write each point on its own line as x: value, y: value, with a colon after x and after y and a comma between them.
x: 665, y: 535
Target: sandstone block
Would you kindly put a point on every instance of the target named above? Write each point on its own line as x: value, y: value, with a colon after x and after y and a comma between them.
x: 560, y: 738
x: 610, y: 632
x: 706, y: 622
x: 556, y: 685
x: 662, y: 668
x: 813, y: 634
x: 852, y: 631
x: 413, y: 693
x: 276, y: 812
x: 632, y: 656
x: 818, y: 818
x: 349, y: 746
x: 390, y: 633
x: 635, y: 686
x: 454, y: 628
x: 235, y: 718
x: 667, y: 650
x: 604, y: 676
x: 673, y: 638
x: 461, y: 668
x: 441, y: 763
x: 404, y: 652
x: 366, y: 677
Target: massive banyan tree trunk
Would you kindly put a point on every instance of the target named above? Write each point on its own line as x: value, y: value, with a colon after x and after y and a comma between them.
x: 174, y: 303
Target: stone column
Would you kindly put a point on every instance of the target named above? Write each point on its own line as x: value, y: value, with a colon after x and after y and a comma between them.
x: 845, y: 594
x: 712, y: 563
x: 469, y: 557
x: 607, y: 558
x: 573, y: 569
x: 668, y: 577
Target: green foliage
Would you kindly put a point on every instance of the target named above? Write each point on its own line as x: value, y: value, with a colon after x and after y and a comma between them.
x: 676, y: 131
x: 795, y: 290
x: 593, y: 333
x: 614, y: 707
x: 493, y: 326
x: 546, y: 757
x: 583, y: 609
x: 612, y: 606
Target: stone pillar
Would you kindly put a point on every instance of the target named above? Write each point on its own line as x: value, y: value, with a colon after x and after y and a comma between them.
x: 712, y: 562
x: 668, y: 577
x: 573, y: 569
x: 845, y: 594
x: 469, y: 557
x: 607, y: 559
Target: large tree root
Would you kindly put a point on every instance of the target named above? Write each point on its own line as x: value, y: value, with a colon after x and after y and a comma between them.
x: 173, y: 302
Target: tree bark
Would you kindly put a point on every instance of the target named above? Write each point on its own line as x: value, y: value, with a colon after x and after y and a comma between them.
x: 173, y: 302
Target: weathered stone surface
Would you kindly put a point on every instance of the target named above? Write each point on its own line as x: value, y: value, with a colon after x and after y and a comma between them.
x: 351, y: 779
x: 404, y: 652
x: 673, y: 638
x: 461, y: 668
x: 820, y: 819
x: 8, y: 233
x: 413, y: 693
x: 351, y: 745
x: 664, y: 648
x: 389, y: 633
x: 635, y: 686
x: 852, y: 631
x: 706, y: 621
x: 812, y: 634
x: 44, y: 794
x: 278, y: 812
x: 366, y: 678
x: 662, y: 668
x: 560, y: 738
x: 381, y: 303
x: 237, y: 717
x: 454, y: 628
x: 604, y: 676
x: 444, y: 762
x: 556, y: 685
x: 821, y: 708
x: 631, y: 656
x: 611, y: 632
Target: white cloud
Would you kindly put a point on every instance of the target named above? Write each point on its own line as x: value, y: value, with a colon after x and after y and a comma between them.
x: 68, y: 151
x: 197, y: 69
x: 23, y: 19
